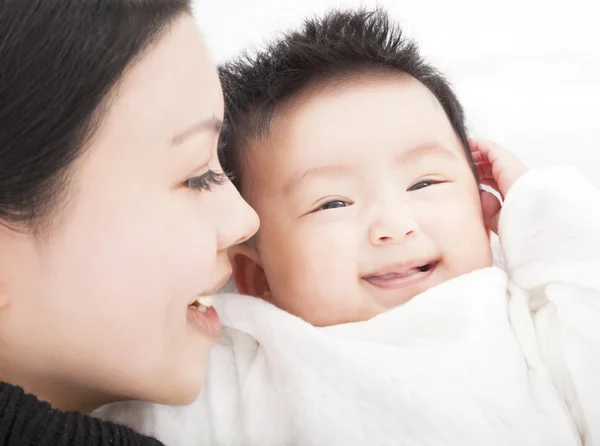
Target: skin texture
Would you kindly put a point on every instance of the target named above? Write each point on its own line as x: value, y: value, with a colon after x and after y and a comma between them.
x: 97, y: 311
x: 365, y: 176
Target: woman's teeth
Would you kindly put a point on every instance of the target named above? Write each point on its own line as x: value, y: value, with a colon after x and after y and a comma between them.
x: 207, y: 301
x: 203, y: 303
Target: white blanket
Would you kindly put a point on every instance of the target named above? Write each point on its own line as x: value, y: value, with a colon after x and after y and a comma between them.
x: 478, y: 360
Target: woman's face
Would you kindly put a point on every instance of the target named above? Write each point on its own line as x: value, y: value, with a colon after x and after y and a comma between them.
x: 99, y: 311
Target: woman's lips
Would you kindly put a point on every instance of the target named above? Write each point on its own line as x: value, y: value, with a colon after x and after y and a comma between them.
x: 201, y: 313
x: 205, y: 319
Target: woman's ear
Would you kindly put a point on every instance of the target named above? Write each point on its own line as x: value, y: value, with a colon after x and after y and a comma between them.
x: 248, y: 274
x: 4, y: 295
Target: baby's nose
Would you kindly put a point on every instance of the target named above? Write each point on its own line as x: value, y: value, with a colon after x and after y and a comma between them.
x: 392, y: 226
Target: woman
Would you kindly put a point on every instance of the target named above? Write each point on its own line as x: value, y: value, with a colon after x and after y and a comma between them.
x: 115, y: 215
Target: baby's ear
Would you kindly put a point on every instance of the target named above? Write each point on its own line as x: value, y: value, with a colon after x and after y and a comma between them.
x: 4, y: 297
x: 491, y: 205
x: 248, y: 274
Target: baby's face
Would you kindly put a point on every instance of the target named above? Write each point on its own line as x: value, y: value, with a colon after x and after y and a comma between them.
x: 366, y: 199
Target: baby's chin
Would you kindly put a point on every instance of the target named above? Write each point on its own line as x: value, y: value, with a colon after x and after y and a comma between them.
x: 380, y: 295
x: 389, y: 294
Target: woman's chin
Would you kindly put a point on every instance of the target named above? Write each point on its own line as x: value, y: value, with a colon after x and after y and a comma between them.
x: 182, y: 389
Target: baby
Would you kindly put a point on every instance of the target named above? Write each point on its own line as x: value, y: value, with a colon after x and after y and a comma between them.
x: 380, y: 318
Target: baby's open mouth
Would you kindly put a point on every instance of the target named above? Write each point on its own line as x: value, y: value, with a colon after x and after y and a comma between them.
x: 401, y: 276
x: 426, y: 268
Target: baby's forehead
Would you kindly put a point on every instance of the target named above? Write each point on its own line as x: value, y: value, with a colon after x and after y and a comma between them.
x: 396, y: 119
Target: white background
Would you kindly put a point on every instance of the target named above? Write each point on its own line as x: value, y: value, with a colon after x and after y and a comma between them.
x: 527, y: 72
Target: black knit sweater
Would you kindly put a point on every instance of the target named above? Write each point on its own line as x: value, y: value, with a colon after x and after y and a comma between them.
x: 26, y: 421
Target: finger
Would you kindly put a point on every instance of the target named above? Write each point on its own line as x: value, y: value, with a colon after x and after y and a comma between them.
x: 474, y: 147
x: 484, y: 170
x: 488, y: 149
x: 493, y: 151
x: 477, y: 156
x: 484, y: 145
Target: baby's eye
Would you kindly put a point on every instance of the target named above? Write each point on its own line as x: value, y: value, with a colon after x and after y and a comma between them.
x: 333, y: 205
x: 422, y: 185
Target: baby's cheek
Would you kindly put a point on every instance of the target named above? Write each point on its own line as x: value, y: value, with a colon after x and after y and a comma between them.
x: 471, y: 250
x: 304, y: 274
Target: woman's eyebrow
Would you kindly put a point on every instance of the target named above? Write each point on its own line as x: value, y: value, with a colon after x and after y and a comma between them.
x: 212, y: 124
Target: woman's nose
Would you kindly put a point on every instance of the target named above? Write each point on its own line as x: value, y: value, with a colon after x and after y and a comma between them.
x: 240, y: 223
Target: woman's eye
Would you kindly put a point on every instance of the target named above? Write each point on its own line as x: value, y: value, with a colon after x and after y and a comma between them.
x: 422, y: 185
x: 207, y: 181
x: 333, y: 205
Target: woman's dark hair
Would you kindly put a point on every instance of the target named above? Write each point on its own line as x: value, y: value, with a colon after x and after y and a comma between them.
x: 59, y: 61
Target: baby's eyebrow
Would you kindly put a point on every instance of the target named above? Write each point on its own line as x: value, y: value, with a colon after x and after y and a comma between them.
x: 431, y: 149
x: 339, y: 170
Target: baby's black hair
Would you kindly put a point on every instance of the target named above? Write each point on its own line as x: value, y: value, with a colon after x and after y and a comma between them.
x: 340, y: 45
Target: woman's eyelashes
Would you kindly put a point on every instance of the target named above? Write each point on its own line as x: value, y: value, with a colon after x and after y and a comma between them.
x: 207, y: 181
